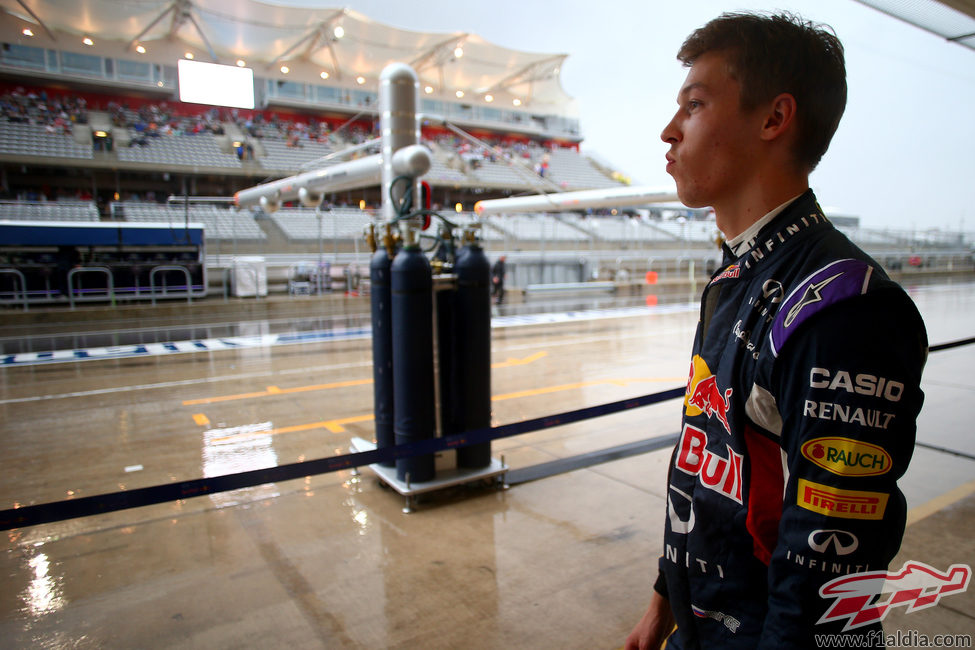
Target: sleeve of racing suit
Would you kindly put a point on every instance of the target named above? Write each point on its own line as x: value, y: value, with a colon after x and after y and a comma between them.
x: 660, y: 585
x: 847, y: 387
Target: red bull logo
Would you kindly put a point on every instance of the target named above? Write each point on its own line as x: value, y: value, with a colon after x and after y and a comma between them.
x: 703, y: 394
x: 864, y: 598
x: 732, y: 271
x: 723, y: 475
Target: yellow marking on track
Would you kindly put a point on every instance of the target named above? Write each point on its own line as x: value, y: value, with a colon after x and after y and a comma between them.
x: 201, y: 419
x: 584, y: 384
x: 939, y: 503
x: 334, y: 426
x: 338, y: 425
x: 519, y: 362
x: 274, y: 390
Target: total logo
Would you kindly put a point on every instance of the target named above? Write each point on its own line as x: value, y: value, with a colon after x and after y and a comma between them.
x: 847, y: 457
x: 703, y: 394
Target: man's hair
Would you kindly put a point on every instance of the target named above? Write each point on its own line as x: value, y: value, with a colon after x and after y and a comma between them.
x: 782, y: 53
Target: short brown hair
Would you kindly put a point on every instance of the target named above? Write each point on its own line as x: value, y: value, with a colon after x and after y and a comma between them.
x: 781, y: 53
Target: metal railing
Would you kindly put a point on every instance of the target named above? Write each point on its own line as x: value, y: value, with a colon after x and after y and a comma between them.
x: 23, y: 287
x: 165, y: 269
x: 108, y: 291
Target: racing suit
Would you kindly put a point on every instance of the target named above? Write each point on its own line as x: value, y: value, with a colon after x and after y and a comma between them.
x: 799, y: 417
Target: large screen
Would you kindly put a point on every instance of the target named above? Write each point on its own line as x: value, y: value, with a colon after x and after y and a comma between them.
x: 218, y: 85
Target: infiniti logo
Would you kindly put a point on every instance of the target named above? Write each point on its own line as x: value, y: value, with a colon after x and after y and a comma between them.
x: 678, y: 525
x: 772, y: 289
x: 843, y: 542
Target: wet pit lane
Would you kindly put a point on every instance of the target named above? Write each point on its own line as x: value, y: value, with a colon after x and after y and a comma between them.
x: 331, y: 561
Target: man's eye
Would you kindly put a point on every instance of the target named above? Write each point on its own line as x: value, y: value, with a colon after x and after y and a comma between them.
x: 693, y: 104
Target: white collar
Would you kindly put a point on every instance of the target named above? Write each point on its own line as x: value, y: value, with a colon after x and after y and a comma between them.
x: 746, y: 240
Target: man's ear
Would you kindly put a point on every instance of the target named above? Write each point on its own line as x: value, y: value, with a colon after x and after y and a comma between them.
x: 780, y: 117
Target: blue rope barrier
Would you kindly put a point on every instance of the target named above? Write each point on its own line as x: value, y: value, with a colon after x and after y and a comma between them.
x: 46, y: 513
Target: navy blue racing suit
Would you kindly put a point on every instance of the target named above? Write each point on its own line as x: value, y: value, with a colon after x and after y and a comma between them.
x: 799, y: 417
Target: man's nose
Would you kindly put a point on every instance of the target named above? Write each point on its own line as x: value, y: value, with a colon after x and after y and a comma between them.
x: 671, y: 132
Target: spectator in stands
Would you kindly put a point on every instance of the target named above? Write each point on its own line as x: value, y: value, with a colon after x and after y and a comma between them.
x: 543, y: 166
x: 498, y: 272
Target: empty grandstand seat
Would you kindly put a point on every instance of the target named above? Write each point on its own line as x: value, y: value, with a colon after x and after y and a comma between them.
x: 572, y: 171
x: 278, y: 156
x: 301, y: 224
x: 201, y: 150
x: 537, y: 227
x: 20, y: 139
x: 220, y: 223
x: 49, y: 210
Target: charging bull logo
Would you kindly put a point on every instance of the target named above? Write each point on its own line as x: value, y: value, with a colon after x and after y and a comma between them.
x: 703, y: 394
x: 864, y: 598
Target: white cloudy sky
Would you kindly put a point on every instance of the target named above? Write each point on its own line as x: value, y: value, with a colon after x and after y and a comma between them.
x: 904, y: 155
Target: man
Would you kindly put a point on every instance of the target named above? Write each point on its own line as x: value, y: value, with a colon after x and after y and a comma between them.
x: 497, y: 279
x: 803, y: 393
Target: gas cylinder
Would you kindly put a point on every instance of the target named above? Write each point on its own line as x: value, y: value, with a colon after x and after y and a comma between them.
x: 472, y: 352
x: 382, y: 349
x: 412, y: 327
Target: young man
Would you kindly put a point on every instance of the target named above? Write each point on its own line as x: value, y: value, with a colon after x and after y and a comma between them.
x: 803, y: 393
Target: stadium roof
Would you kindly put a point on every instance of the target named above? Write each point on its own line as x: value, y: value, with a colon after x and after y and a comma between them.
x: 953, y: 20
x: 344, y: 43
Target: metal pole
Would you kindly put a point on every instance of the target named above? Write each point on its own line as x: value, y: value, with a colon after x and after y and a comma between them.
x: 398, y: 90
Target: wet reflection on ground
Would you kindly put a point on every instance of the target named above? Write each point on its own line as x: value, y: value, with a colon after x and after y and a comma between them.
x: 330, y: 561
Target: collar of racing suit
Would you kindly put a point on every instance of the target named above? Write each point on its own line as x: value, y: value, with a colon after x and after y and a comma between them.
x: 747, y: 238
x: 790, y: 221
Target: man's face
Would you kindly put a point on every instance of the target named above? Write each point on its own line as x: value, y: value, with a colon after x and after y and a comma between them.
x: 712, y: 141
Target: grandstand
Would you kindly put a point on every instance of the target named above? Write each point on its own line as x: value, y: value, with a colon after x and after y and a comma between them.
x: 220, y: 223
x: 35, y: 141
x: 49, y: 210
x: 196, y: 152
x: 96, y: 131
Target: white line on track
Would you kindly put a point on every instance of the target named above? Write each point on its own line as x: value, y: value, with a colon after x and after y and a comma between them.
x: 500, y: 322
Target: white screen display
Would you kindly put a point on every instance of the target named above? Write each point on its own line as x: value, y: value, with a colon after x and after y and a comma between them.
x: 218, y: 85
